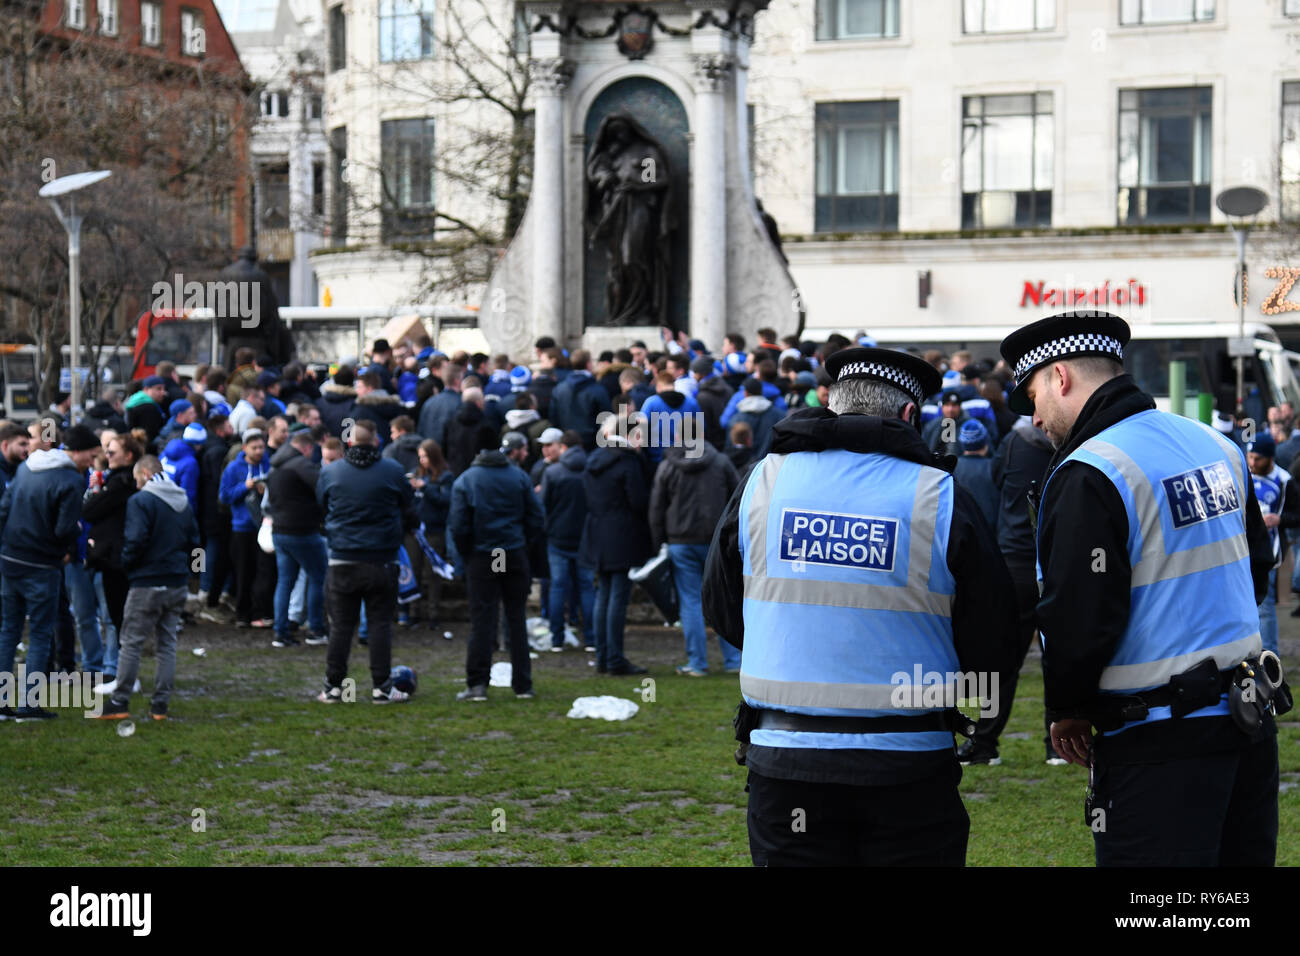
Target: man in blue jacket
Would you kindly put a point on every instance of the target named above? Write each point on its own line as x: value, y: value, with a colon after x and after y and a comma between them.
x: 254, y: 569
x: 180, y: 462
x: 494, y: 519
x: 39, y: 515
x: 369, y: 507
x: 577, y: 400
x: 158, y: 545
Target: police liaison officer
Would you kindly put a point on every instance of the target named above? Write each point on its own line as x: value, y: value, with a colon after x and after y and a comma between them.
x: 1153, y: 557
x: 851, y: 571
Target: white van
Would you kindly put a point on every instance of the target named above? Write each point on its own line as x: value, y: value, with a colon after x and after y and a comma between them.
x: 1272, y: 374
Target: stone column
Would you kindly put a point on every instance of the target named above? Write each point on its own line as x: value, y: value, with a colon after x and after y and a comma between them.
x: 709, y: 200
x: 550, y: 76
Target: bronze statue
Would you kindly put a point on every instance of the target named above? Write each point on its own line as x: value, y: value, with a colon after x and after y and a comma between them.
x: 629, y: 210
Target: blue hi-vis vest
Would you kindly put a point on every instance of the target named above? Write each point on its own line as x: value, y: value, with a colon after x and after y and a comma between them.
x: 848, y: 595
x: 1270, y: 492
x: 1192, y: 596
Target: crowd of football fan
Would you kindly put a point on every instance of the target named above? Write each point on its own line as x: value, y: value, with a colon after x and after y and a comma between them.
x: 120, y: 528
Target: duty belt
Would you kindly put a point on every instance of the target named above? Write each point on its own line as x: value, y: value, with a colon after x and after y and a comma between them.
x: 949, y: 720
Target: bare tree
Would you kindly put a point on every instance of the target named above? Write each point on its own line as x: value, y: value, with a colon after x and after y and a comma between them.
x: 173, y: 138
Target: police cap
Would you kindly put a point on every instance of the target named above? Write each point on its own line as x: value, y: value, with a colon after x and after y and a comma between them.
x: 1066, y: 336
x: 911, y: 373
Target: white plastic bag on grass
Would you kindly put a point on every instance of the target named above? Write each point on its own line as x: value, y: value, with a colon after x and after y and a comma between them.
x: 603, y: 708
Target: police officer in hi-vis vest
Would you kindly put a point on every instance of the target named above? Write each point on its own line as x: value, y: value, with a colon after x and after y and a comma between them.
x: 868, y: 596
x: 1153, y: 558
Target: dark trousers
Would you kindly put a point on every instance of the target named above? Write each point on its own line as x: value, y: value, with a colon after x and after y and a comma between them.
x: 217, y: 553
x: 989, y: 729
x: 792, y: 823
x: 489, y: 588
x: 115, y: 588
x: 63, y: 656
x: 1212, y: 810
x: 255, y: 577
x: 347, y: 587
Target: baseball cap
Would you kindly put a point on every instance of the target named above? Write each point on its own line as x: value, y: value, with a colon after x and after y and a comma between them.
x: 79, y: 438
x: 550, y: 436
x: 152, y: 381
x: 178, y: 406
x: 513, y: 441
x: 951, y: 397
x: 251, y: 433
x: 805, y: 380
x: 267, y: 379
x: 973, y: 436
x: 381, y: 345
x: 1263, y: 445
x: 194, y: 432
x: 221, y: 408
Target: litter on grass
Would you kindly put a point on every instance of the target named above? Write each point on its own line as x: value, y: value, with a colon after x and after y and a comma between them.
x: 604, y: 707
x: 500, y: 674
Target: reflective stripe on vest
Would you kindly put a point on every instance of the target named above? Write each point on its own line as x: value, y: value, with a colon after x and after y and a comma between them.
x: 846, y: 587
x: 1191, y: 594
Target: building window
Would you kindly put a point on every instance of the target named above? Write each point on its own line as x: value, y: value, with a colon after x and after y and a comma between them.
x: 405, y: 30
x: 523, y: 39
x: 1290, y: 158
x: 193, y: 41
x: 1008, y: 16
x: 339, y: 185
x: 317, y: 188
x: 338, y: 38
x: 856, y: 19
x: 314, y: 106
x: 1291, y: 8
x: 108, y: 17
x: 857, y: 166
x: 1006, y: 161
x: 150, y: 24
x: 273, y: 197
x: 1164, y: 155
x: 1142, y: 12
x: 407, y: 148
x: 75, y: 12
x: 275, y: 103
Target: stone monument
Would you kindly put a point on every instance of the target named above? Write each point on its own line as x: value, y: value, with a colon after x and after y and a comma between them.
x: 641, y: 213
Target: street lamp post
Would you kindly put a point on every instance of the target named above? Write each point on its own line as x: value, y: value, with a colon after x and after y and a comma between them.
x: 1241, y: 204
x: 71, y: 222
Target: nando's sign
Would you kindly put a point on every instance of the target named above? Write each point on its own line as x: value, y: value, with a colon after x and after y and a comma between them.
x: 1041, y: 295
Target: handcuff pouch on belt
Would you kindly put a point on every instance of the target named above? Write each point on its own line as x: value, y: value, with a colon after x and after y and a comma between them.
x: 1254, y: 687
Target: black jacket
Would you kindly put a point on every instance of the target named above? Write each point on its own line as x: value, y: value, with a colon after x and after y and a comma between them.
x: 369, y: 505
x: 336, y: 403
x: 160, y: 536
x: 212, y: 462
x: 984, y: 611
x: 1084, y: 614
x: 380, y: 408
x: 102, y: 415
x: 1022, y: 461
x: 406, y: 450
x: 105, y: 513
x: 433, y: 502
x: 975, y: 474
x: 493, y: 506
x: 564, y: 499
x: 146, y: 415
x: 468, y: 433
x: 616, y: 532
x: 713, y: 396
x: 575, y: 403
x: 542, y: 387
x: 40, y: 510
x: 292, y: 491
x: 689, y: 495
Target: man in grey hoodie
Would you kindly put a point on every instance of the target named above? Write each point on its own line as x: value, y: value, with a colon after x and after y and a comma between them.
x: 158, y: 545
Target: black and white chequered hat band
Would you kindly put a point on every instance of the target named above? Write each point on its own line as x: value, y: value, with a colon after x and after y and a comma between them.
x: 1071, y: 344
x: 903, y: 379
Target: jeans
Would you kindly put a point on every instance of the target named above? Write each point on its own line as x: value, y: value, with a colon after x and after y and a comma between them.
x: 567, y: 574
x: 1268, y: 615
x: 298, y: 596
x: 294, y: 553
x: 150, y: 612
x: 688, y: 575
x: 107, y: 628
x: 347, y: 588
x: 34, y: 592
x: 1295, y: 568
x: 85, y: 608
x: 610, y: 617
x: 488, y: 590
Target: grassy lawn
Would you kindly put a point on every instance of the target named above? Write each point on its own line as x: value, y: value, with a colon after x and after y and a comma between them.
x: 279, y: 778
